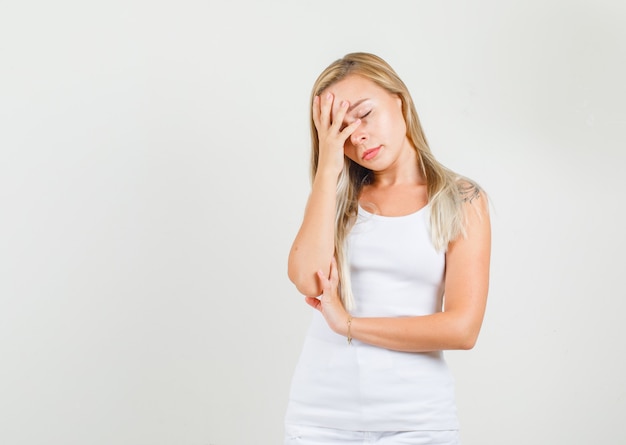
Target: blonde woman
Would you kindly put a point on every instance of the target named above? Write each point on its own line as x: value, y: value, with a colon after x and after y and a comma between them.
x: 393, y: 253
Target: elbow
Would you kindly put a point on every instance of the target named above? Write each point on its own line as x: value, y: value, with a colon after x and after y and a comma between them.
x: 305, y: 283
x: 466, y: 338
x: 462, y: 328
x: 467, y: 343
x: 307, y: 289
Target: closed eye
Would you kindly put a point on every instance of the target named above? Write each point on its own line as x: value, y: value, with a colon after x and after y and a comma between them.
x: 363, y: 116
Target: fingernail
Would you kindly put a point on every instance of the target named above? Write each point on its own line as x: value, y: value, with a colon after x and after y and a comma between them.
x: 344, y: 104
x: 328, y: 95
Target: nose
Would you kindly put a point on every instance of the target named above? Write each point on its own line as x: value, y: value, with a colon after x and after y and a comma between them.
x: 359, y: 136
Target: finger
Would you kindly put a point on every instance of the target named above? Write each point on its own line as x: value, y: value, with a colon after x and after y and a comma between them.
x: 339, y: 113
x: 324, y: 281
x: 316, y: 111
x: 327, y: 289
x: 334, y: 273
x: 313, y: 302
x: 326, y: 104
x: 346, y: 132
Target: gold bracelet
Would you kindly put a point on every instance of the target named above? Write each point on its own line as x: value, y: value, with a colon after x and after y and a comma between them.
x: 349, y: 324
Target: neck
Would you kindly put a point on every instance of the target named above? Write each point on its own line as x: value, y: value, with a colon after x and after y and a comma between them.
x: 405, y: 171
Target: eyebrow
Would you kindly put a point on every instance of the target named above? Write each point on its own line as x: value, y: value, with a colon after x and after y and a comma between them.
x: 356, y: 104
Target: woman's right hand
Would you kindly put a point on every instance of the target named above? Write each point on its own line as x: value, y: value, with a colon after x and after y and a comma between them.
x: 329, y: 120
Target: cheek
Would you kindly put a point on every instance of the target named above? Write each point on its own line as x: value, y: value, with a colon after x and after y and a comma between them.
x: 400, y: 124
x: 349, y: 151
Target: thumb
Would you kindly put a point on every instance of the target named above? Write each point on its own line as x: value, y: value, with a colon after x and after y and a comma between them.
x: 314, y: 302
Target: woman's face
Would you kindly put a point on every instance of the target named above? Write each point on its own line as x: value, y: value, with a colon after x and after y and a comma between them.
x: 380, y: 141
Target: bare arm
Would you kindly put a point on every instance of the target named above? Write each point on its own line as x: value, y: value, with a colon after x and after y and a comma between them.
x: 466, y: 286
x: 314, y: 244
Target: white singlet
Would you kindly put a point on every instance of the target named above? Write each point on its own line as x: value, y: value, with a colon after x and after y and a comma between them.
x: 395, y: 272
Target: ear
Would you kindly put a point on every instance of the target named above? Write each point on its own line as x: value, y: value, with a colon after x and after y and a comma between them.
x: 399, y: 101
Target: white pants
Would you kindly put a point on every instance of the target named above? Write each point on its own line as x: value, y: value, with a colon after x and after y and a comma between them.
x: 310, y: 435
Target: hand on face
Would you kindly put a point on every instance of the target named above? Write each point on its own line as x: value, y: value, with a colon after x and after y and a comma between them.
x: 328, y: 119
x: 329, y: 303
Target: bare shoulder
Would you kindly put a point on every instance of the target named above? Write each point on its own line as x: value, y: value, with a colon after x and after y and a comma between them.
x: 475, y: 203
x: 469, y: 190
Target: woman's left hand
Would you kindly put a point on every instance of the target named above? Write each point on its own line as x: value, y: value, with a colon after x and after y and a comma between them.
x: 329, y: 303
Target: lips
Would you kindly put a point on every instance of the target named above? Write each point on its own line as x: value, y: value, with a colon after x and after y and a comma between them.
x: 370, y: 153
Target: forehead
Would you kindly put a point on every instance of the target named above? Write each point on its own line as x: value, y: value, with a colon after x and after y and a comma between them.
x: 355, y: 87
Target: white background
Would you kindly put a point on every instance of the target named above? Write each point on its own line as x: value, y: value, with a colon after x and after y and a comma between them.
x: 154, y: 170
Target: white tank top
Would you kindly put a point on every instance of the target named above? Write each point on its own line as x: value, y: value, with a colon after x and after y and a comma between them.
x: 395, y: 272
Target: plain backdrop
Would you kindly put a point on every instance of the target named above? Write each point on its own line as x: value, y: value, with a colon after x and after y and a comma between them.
x: 154, y: 171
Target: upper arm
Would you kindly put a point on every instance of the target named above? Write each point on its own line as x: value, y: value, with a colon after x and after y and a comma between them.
x: 467, y: 268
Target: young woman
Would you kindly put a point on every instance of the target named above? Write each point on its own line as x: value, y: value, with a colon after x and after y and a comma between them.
x: 393, y: 252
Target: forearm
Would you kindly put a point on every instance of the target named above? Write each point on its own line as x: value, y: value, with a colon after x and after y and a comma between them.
x: 436, y: 332
x: 314, y: 244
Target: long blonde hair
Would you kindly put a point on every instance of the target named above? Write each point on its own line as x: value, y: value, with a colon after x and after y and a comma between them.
x: 446, y: 190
